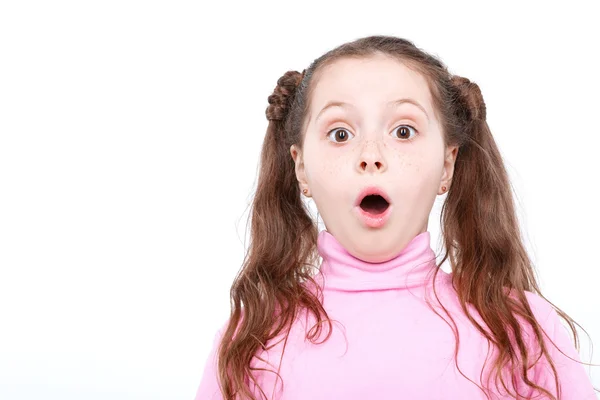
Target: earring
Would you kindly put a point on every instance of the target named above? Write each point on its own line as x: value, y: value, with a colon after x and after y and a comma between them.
x: 443, y: 188
x: 305, y: 191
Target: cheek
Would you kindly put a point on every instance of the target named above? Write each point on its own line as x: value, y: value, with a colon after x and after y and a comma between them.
x: 417, y: 172
x: 322, y: 168
x: 322, y: 174
x: 409, y: 164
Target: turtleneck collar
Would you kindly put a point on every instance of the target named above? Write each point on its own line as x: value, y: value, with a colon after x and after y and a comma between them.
x: 413, y: 266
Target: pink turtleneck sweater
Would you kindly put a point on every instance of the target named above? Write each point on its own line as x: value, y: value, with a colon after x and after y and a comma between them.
x: 388, y: 344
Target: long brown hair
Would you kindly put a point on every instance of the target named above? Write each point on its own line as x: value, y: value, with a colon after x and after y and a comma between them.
x: 478, y: 223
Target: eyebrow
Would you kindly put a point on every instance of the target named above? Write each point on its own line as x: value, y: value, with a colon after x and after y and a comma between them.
x: 393, y: 103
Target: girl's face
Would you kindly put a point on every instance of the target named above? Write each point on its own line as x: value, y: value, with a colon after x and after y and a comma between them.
x: 369, y: 140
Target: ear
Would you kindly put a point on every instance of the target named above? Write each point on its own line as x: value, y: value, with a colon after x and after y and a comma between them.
x: 299, y: 168
x: 449, y: 160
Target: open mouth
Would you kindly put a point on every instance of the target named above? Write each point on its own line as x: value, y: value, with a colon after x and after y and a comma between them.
x: 374, y: 204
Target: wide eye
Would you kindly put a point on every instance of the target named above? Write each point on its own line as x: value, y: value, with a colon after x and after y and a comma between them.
x: 404, y: 133
x: 402, y: 130
x: 344, y: 134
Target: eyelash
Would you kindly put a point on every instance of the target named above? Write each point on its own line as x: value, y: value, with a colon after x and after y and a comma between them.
x: 403, y: 140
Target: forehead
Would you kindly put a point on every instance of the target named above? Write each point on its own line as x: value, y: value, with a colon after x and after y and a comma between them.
x: 369, y: 83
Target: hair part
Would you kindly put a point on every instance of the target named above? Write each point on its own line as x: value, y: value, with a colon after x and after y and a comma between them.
x: 491, y: 270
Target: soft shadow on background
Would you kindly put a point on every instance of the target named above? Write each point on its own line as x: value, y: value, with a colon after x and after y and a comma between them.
x: 129, y: 140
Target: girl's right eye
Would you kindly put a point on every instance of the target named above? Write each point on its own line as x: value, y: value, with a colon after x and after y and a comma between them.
x: 342, y: 134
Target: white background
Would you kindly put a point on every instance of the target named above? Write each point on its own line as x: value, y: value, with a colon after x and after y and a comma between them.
x: 130, y: 136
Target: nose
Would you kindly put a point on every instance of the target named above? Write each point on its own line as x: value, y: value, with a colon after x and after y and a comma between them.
x: 371, y: 160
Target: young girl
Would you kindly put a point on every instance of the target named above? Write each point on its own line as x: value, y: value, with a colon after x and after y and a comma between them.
x: 373, y: 131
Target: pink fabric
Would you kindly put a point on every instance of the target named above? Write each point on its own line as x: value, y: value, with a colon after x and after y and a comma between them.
x: 386, y: 342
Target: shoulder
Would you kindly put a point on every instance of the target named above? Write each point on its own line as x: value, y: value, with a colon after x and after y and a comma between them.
x: 574, y: 380
x: 540, y: 306
x: 224, y: 324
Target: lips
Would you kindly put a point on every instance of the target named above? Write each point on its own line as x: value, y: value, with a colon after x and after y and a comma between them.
x: 373, y: 200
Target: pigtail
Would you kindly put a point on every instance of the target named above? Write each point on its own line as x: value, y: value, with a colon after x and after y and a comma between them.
x: 271, y: 286
x: 491, y: 270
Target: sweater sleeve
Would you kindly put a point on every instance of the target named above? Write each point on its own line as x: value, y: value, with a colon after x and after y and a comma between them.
x: 573, y: 379
x: 209, y: 387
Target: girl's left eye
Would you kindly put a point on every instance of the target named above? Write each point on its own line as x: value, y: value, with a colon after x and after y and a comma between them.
x: 404, y: 133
